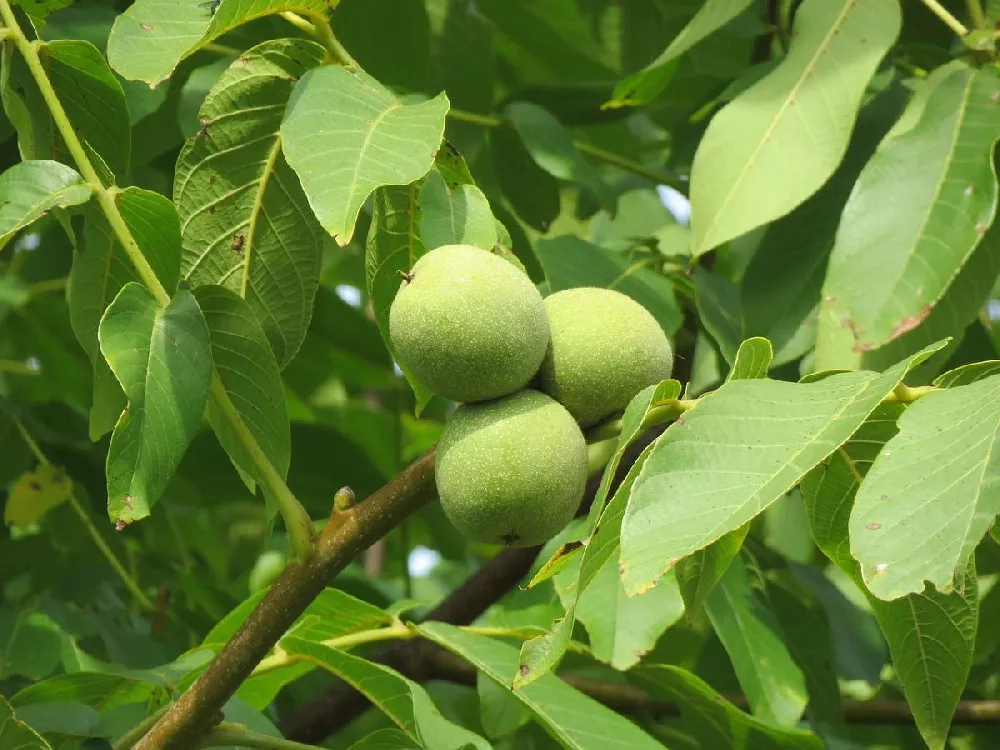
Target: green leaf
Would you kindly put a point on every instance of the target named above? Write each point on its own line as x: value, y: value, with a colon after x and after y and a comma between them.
x: 773, y: 683
x: 960, y: 306
x: 100, y: 270
x: 781, y: 287
x: 30, y: 189
x: 455, y: 214
x: 16, y: 734
x: 249, y: 373
x: 393, y: 245
x: 941, y: 169
x: 63, y: 718
x: 694, y: 489
x: 774, y: 145
x: 346, y: 135
x: 752, y: 361
x: 571, y: 262
x: 35, y: 494
x: 642, y: 87
x: 930, y: 496
x: 533, y: 193
x: 500, y: 712
x: 246, y: 223
x: 931, y: 635
x: 622, y: 629
x: 633, y: 421
x: 698, y: 573
x: 402, y: 700
x: 718, y: 302
x: 715, y: 722
x: 29, y: 643
x: 577, y: 721
x: 332, y: 614
x: 151, y: 37
x: 163, y: 359
x: 542, y: 654
x: 99, y: 689
x: 966, y: 374
x: 551, y: 146
x: 385, y: 739
x: 90, y: 94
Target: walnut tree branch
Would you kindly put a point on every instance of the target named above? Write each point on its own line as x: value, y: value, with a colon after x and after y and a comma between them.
x: 347, y: 535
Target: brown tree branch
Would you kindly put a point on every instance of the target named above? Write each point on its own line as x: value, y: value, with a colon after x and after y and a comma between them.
x: 347, y: 535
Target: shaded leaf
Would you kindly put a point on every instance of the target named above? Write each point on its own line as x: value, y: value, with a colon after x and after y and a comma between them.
x: 89, y: 93
x: 29, y: 189
x: 718, y: 301
x: 393, y: 245
x: 778, y: 142
x: 100, y: 270
x: 346, y: 135
x: 533, y: 192
x: 551, y: 146
x: 455, y: 215
x: 17, y: 734
x: 698, y: 573
x: 642, y: 87
x: 930, y: 496
x: 249, y: 373
x: 163, y: 359
x: 771, y: 680
x: 571, y: 262
x: 694, y: 489
x: 714, y: 721
x: 401, y: 699
x: 577, y: 721
x: 245, y: 220
x: 941, y: 169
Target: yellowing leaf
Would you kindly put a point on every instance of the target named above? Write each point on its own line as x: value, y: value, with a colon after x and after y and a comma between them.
x: 35, y: 494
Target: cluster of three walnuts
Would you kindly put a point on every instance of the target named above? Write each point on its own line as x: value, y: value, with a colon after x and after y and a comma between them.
x: 529, y: 373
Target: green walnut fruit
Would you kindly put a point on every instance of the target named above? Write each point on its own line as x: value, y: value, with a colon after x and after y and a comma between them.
x: 604, y: 348
x: 468, y: 324
x: 511, y: 471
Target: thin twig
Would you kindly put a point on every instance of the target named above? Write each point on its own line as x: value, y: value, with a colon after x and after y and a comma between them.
x: 608, y: 157
x: 319, y: 27
x: 130, y: 583
x: 945, y: 15
x: 976, y: 14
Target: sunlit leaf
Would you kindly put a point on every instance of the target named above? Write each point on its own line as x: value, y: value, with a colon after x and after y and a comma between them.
x: 346, y: 135
x: 930, y: 497
x: 455, y: 214
x: 151, y: 37
x: 941, y: 169
x: 774, y: 145
x: 694, y: 489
